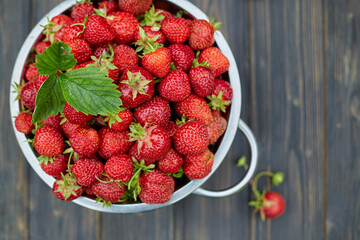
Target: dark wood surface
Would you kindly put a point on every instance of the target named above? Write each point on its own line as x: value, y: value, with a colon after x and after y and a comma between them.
x: 300, y: 68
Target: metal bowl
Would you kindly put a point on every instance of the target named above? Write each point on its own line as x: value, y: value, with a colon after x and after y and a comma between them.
x: 234, y: 121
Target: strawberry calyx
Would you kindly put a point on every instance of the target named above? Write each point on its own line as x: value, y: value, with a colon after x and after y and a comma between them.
x: 68, y: 185
x: 146, y: 44
x: 216, y: 25
x: 44, y: 159
x: 196, y: 63
x: 104, y: 202
x: 180, y: 13
x: 84, y: 1
x: 104, y: 62
x: 141, y: 134
x: 113, y: 118
x: 50, y: 29
x: 101, y: 12
x: 136, y: 83
x: 217, y: 102
x: 178, y: 174
x: 17, y: 88
x: 182, y: 121
x: 152, y: 18
x: 80, y: 24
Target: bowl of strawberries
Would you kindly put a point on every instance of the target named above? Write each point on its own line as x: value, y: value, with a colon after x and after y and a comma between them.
x: 127, y: 106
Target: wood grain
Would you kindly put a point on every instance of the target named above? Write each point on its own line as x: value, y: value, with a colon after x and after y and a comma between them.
x: 287, y: 111
x: 342, y: 21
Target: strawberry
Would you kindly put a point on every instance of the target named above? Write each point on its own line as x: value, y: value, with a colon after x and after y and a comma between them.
x: 54, y: 29
x: 156, y: 111
x: 69, y: 128
x: 158, y: 62
x: 216, y: 129
x: 134, y: 153
x: 48, y: 141
x: 83, y: 64
x: 81, y: 50
x: 216, y: 113
x: 28, y: 95
x: 136, y: 86
x: 61, y: 19
x: 87, y: 170
x: 191, y: 138
x: 125, y: 57
x: 31, y: 73
x: 55, y: 166
x: 166, y: 14
x: 81, y: 10
x: 85, y: 141
x: 152, y: 142
x: 202, y: 34
x: 65, y: 188
x: 110, y: 192
x: 40, y: 79
x: 156, y: 187
x: 182, y: 56
x: 89, y: 190
x: 151, y: 32
x: 98, y: 30
x: 176, y: 30
x: 202, y: 81
x: 194, y: 107
x: 134, y: 7
x: 74, y: 116
x: 125, y: 25
x: 98, y: 50
x: 170, y: 129
x: 23, y: 123
x: 274, y: 205
x: 113, y: 143
x: 175, y: 87
x: 53, y: 121
x: 221, y: 96
x: 126, y: 117
x: 198, y: 165
x: 171, y: 163
x: 41, y: 46
x: 154, y: 17
x: 73, y: 30
x: 217, y: 61
x: 120, y: 167
x: 110, y: 6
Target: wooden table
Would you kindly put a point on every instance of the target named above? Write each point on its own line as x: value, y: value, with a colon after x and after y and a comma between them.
x: 299, y: 63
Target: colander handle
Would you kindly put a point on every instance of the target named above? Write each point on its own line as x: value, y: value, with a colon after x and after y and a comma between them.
x: 237, y: 187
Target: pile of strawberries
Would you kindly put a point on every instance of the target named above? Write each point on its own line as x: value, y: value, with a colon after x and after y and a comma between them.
x: 173, y: 96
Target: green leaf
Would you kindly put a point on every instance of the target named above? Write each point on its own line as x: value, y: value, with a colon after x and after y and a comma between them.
x: 56, y: 57
x: 89, y: 91
x: 49, y: 100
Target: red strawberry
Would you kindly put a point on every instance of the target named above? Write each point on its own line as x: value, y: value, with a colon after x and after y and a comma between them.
x: 202, y: 34
x: 216, y: 113
x: 65, y: 188
x: 98, y: 30
x: 40, y: 79
x: 158, y: 62
x: 49, y: 141
x: 152, y: 142
x: 176, y: 30
x: 87, y: 170
x: 84, y: 64
x: 28, y: 95
x: 194, y: 107
x: 221, y: 96
x: 31, y: 73
x: 274, y: 205
x: 53, y: 121
x: 202, y: 81
x: 166, y: 14
x: 125, y: 57
x: 217, y: 61
x: 216, y: 129
x: 81, y: 50
x: 23, y: 123
x: 69, y: 128
x: 89, y: 190
x: 156, y: 111
x: 126, y: 117
x: 125, y: 25
x: 135, y: 7
x: 81, y: 10
x: 133, y: 152
x: 99, y: 49
x: 120, y: 167
x: 171, y: 163
x: 109, y: 192
x: 55, y: 166
x: 61, y: 19
x: 41, y: 46
x: 182, y: 56
x: 113, y: 143
x: 85, y: 141
x: 191, y: 138
x: 156, y: 187
x: 151, y: 32
x: 199, y: 165
x: 74, y: 116
x: 54, y: 29
x: 72, y: 31
x: 111, y: 6
x: 170, y: 129
x: 136, y: 86
x: 154, y: 17
x: 175, y: 87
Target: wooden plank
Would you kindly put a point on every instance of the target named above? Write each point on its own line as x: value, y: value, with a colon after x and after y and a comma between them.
x: 342, y: 21
x: 287, y: 111
x: 228, y: 218
x: 14, y: 171
x: 62, y: 220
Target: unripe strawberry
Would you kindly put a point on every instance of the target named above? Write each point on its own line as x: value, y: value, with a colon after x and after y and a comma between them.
x: 48, y: 141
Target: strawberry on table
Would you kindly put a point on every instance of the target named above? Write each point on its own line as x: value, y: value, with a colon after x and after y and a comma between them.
x: 182, y: 56
x: 198, y: 165
x: 65, y: 187
x: 175, y: 87
x: 176, y: 30
x: 87, y: 171
x: 113, y: 143
x: 156, y: 111
x: 217, y: 61
x: 23, y: 123
x: 98, y: 30
x: 85, y: 141
x: 49, y: 141
x: 135, y: 7
x: 120, y: 167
